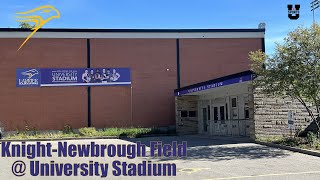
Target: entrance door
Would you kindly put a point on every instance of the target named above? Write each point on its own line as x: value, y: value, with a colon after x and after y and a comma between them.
x: 204, y: 116
x: 219, y: 120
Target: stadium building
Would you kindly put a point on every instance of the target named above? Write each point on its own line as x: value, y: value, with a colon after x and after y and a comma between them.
x: 196, y: 80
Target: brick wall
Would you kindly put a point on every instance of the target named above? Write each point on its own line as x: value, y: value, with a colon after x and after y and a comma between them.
x: 41, y: 108
x: 154, y: 77
x: 206, y: 59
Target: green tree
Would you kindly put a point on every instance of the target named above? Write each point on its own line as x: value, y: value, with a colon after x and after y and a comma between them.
x: 25, y: 25
x: 293, y: 70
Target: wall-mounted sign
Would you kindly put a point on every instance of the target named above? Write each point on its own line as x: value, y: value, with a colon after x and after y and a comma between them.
x: 27, y: 77
x: 290, y: 119
x: 214, y: 84
x: 44, y: 77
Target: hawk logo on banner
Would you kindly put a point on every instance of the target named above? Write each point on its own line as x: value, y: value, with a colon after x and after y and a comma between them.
x: 27, y: 77
x: 30, y: 73
x: 293, y: 12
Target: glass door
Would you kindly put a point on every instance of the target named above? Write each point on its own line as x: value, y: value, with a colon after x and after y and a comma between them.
x: 219, y: 119
x: 205, y: 119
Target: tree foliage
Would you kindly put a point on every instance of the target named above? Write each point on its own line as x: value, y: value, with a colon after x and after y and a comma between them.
x: 293, y: 70
x: 25, y: 25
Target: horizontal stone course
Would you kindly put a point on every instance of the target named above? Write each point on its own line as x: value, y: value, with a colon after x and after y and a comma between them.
x: 271, y: 115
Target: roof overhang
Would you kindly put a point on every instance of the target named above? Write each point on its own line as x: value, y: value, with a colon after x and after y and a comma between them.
x: 241, y: 77
x: 133, y: 33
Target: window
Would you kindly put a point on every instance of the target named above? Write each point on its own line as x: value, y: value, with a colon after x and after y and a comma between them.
x: 192, y: 114
x: 227, y: 115
x: 204, y: 119
x: 246, y: 112
x: 234, y: 102
x: 222, y: 112
x: 246, y: 107
x: 215, y: 114
x: 184, y: 114
x: 234, y: 111
x: 209, y: 112
x: 222, y: 115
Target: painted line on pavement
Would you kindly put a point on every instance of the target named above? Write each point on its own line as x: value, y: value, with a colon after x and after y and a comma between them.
x: 192, y: 170
x: 265, y: 175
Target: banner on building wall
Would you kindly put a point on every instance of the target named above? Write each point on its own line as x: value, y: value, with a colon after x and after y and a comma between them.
x: 48, y: 77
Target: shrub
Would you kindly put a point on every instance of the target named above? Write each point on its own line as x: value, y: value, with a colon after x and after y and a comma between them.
x: 88, y: 131
x: 129, y: 132
x: 271, y: 139
x: 312, y: 138
x: 35, y: 131
x: 67, y: 129
x: 317, y: 146
x: 291, y: 141
x: 111, y: 132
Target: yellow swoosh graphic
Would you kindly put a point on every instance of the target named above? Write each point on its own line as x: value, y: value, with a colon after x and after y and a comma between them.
x: 37, y: 19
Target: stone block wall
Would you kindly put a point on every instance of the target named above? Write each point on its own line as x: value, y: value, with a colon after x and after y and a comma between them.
x: 271, y: 115
x: 186, y: 125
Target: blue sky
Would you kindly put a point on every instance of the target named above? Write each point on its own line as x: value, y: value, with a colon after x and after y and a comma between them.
x: 168, y: 14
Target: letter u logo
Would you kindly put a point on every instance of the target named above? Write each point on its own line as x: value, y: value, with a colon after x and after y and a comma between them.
x: 292, y: 11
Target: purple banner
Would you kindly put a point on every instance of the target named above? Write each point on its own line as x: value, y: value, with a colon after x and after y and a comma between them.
x: 214, y: 85
x: 46, y: 77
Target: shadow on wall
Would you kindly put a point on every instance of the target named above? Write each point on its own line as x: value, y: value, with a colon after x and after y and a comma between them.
x: 216, y: 149
x: 311, y: 127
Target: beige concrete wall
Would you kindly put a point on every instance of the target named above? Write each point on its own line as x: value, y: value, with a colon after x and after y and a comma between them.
x: 186, y: 125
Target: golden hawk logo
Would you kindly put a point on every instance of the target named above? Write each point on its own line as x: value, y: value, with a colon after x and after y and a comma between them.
x: 37, y: 16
